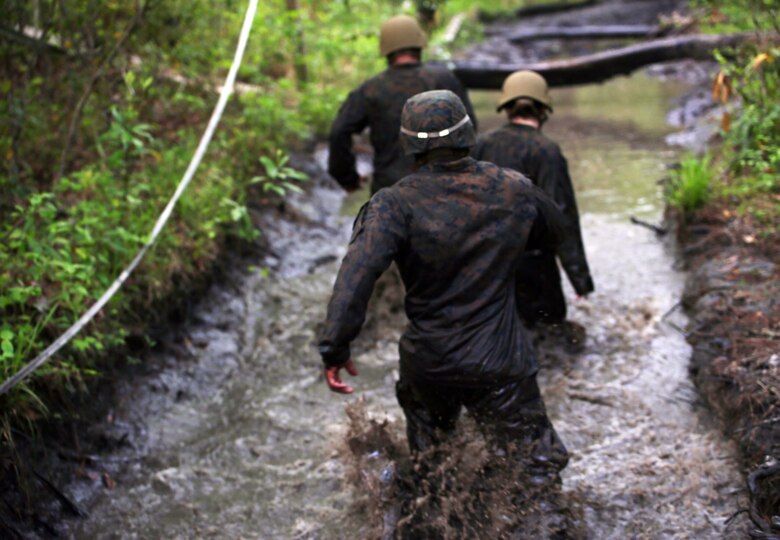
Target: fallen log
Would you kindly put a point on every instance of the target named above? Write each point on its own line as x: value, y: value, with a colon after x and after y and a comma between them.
x: 618, y: 31
x: 540, y: 9
x: 598, y: 67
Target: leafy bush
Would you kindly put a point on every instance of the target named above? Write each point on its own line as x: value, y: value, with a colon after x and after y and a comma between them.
x: 748, y: 85
x: 63, y: 248
x: 753, y: 138
x: 723, y: 16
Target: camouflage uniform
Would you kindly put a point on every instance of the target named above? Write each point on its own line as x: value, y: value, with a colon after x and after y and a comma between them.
x: 377, y: 104
x: 456, y: 230
x: 525, y: 149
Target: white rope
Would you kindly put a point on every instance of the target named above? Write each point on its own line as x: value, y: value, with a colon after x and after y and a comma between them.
x: 227, y: 89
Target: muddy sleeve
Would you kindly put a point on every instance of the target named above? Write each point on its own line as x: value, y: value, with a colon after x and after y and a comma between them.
x: 555, y: 181
x: 351, y: 119
x: 378, y: 236
x: 548, y: 230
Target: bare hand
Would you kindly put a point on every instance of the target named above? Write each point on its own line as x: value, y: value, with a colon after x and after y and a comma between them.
x: 333, y: 377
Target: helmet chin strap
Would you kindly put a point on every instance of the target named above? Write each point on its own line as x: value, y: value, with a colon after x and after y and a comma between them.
x: 436, y: 134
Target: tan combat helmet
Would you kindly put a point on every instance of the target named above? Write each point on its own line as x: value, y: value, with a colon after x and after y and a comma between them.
x: 524, y: 84
x: 400, y: 32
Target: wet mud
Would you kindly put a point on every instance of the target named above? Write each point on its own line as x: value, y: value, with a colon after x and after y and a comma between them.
x: 732, y: 295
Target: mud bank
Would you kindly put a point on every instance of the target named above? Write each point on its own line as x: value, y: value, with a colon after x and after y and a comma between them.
x: 732, y: 296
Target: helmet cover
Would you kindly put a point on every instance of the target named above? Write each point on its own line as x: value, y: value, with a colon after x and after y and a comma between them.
x: 435, y: 119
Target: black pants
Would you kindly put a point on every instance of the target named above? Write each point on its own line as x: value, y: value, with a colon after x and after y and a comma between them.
x: 512, y: 416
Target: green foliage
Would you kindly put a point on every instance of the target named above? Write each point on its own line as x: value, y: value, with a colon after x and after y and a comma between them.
x: 66, y: 237
x: 691, y: 185
x: 748, y: 85
x: 723, y: 16
x: 278, y: 177
x: 63, y: 248
x: 754, y: 136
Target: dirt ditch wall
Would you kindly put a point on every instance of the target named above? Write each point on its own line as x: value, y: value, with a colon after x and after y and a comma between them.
x: 732, y: 296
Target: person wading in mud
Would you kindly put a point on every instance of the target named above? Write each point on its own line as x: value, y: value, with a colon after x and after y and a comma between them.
x: 520, y: 145
x: 377, y: 104
x: 457, y: 229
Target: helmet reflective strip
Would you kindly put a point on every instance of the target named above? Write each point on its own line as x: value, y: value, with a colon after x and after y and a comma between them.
x: 436, y: 134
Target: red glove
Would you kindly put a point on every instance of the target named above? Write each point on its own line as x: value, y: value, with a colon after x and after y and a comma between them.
x: 333, y: 377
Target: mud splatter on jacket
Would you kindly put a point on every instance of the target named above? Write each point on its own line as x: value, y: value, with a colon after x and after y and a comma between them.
x: 527, y: 150
x: 377, y: 104
x: 456, y: 231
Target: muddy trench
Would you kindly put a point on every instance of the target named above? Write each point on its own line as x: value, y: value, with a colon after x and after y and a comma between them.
x: 230, y: 431
x: 241, y: 438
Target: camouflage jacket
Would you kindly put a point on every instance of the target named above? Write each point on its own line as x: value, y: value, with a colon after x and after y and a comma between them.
x: 456, y: 230
x: 527, y: 150
x: 377, y: 104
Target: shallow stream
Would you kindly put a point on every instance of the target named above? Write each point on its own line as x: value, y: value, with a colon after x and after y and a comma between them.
x: 240, y: 437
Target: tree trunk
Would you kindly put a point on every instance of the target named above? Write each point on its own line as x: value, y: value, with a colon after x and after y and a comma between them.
x: 598, y: 67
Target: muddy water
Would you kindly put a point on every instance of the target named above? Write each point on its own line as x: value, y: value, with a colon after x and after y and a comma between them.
x: 239, y: 438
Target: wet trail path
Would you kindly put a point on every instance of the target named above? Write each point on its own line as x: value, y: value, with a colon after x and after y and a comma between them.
x: 241, y: 438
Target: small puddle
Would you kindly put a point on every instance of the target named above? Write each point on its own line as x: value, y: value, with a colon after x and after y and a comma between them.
x: 244, y: 440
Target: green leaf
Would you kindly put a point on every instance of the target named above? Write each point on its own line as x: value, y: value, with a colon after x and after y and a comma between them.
x: 7, y: 343
x: 292, y: 187
x: 237, y: 213
x: 270, y: 167
x: 295, y: 174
